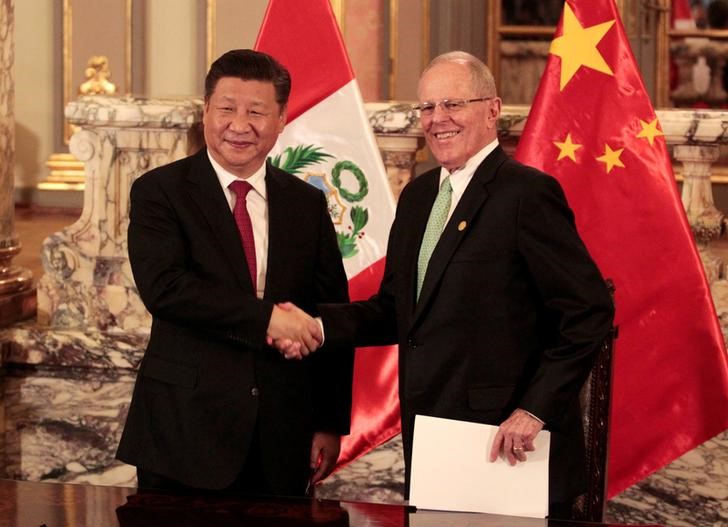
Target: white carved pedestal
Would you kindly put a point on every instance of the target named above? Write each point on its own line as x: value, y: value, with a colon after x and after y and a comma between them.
x: 87, y: 281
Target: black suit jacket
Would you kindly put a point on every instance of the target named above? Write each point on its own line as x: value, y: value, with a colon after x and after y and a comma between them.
x: 207, y: 377
x: 511, y: 313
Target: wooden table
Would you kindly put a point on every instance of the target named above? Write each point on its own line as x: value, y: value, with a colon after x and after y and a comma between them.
x: 32, y: 504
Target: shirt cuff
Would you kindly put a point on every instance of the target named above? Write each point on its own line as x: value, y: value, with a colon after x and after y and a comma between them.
x: 529, y: 413
x: 321, y: 325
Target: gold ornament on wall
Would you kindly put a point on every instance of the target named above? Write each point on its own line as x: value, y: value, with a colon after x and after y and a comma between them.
x: 67, y: 172
x: 97, y: 77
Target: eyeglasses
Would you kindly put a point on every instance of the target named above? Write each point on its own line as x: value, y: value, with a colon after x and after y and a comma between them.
x: 448, y: 105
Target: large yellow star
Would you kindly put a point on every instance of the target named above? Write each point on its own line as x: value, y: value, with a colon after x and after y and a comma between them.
x: 567, y: 148
x: 577, y: 46
x: 611, y: 158
x: 649, y: 130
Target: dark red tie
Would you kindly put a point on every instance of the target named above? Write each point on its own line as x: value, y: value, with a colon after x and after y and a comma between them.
x: 245, y: 226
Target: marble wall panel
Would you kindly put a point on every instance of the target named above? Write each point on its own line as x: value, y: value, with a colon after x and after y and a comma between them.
x: 65, y: 399
x: 59, y: 425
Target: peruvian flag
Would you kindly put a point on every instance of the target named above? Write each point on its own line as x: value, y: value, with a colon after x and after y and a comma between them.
x: 329, y: 143
x: 593, y: 127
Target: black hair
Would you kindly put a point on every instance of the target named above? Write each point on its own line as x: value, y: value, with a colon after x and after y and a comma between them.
x: 247, y: 64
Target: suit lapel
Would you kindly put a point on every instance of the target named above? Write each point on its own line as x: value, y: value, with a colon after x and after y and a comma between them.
x: 458, y: 226
x: 206, y: 192
x: 281, y: 226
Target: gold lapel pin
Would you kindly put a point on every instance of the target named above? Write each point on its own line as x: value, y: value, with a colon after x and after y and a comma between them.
x: 462, y: 225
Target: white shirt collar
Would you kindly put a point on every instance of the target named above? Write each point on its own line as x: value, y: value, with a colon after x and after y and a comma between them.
x: 461, y: 177
x: 257, y: 180
x: 470, y: 165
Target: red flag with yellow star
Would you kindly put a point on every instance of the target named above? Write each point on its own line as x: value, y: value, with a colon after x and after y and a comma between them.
x: 592, y: 126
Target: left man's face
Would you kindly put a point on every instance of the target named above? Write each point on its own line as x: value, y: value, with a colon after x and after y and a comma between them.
x: 242, y: 122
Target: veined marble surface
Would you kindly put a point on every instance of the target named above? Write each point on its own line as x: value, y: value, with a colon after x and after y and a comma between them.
x: 102, y: 110
x: 376, y: 477
x: 65, y: 398
x: 692, y: 491
x: 58, y: 428
x: 114, y: 352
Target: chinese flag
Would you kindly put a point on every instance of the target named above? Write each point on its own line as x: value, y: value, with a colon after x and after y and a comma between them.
x: 592, y: 126
x: 326, y: 112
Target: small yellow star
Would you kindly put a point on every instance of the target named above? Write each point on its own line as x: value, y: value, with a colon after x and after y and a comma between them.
x: 611, y: 158
x: 567, y: 148
x: 577, y: 47
x: 649, y: 130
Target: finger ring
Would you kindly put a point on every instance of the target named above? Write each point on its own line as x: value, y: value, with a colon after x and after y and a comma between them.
x: 517, y: 449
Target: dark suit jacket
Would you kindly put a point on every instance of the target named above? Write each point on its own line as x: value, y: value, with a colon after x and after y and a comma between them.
x: 207, y: 377
x: 511, y: 314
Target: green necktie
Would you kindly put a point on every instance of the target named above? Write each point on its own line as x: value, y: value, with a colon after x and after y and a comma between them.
x: 435, y: 225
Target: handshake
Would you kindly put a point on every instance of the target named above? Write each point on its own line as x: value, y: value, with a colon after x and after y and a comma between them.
x: 293, y: 332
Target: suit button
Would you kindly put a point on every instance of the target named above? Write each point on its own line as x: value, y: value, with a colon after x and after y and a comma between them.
x: 411, y: 344
x: 254, y: 392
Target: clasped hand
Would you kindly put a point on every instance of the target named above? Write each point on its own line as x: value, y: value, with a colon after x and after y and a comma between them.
x: 293, y: 332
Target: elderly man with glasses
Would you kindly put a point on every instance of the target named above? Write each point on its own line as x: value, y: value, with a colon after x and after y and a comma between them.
x: 496, y: 305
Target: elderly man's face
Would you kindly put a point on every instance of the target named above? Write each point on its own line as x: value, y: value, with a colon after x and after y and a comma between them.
x: 455, y: 136
x: 242, y: 122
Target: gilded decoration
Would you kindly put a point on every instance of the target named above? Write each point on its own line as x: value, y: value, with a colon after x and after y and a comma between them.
x: 97, y: 77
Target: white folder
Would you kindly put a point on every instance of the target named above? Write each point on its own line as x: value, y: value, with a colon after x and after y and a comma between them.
x: 451, y: 471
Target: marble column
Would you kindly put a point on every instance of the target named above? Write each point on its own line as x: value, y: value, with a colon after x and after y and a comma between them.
x: 17, y: 298
x: 399, y: 137
x: 705, y: 219
x: 399, y: 155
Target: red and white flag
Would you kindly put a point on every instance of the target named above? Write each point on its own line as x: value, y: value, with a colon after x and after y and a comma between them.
x: 593, y: 127
x: 328, y: 142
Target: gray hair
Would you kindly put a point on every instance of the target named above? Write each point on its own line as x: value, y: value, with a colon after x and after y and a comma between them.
x: 482, y: 79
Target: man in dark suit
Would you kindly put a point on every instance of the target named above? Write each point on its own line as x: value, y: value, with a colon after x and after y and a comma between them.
x: 495, y: 303
x: 214, y: 407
